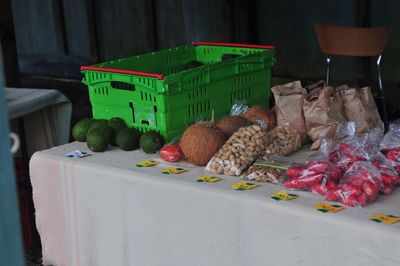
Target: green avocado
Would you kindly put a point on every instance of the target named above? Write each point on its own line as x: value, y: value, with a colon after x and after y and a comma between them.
x: 98, y: 123
x: 81, y: 128
x: 151, y: 142
x: 128, y: 139
x: 117, y: 124
x: 98, y: 138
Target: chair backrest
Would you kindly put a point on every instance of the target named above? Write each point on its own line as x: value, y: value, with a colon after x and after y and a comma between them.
x: 351, y: 41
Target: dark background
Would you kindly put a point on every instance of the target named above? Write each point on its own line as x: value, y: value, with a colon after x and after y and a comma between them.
x: 46, y: 41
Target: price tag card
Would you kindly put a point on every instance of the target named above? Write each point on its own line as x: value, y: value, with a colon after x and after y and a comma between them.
x: 384, y: 218
x: 146, y: 163
x: 77, y: 154
x: 243, y: 185
x: 283, y: 195
x: 173, y: 170
x: 325, y: 207
x: 208, y: 179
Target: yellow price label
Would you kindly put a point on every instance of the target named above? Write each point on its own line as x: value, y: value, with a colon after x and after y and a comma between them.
x: 325, y: 207
x: 384, y: 218
x: 208, y: 179
x: 243, y: 185
x: 283, y: 195
x: 146, y: 163
x: 173, y: 170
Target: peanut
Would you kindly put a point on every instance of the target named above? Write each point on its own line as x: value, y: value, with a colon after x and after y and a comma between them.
x: 242, y: 148
x: 282, y: 140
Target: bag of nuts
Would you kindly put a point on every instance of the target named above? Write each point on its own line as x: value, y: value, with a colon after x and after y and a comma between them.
x: 239, y: 152
x: 260, y: 172
x: 282, y: 140
x: 289, y: 106
x: 359, y: 106
x: 323, y: 112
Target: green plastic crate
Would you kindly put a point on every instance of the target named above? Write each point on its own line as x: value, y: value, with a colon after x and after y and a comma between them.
x: 154, y: 92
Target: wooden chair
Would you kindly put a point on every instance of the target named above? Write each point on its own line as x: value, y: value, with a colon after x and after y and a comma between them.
x: 351, y: 41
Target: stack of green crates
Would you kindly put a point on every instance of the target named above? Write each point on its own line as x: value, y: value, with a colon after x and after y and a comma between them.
x: 155, y: 91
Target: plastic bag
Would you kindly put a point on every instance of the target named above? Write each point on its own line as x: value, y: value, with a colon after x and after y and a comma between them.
x: 390, y: 145
x: 282, y: 140
x: 239, y: 107
x: 317, y: 175
x: 389, y: 176
x: 260, y: 172
x: 347, y: 148
x: 391, y: 140
x: 239, y: 152
x: 393, y: 156
x: 370, y: 141
x: 359, y: 186
x: 343, y: 131
x: 347, y: 154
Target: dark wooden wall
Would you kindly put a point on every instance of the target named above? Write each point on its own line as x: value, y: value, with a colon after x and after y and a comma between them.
x: 55, y: 37
x: 99, y: 30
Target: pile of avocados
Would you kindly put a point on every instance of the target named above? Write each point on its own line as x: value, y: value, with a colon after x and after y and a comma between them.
x: 100, y: 133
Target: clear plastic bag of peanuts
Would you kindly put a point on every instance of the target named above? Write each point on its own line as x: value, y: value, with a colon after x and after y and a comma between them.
x: 282, y: 140
x: 239, y: 152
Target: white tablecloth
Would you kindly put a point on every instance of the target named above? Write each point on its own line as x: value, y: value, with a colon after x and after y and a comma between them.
x: 46, y: 115
x: 103, y: 210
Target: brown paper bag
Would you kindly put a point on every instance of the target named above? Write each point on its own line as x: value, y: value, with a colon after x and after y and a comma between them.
x: 314, y: 90
x: 323, y: 113
x: 359, y: 106
x: 289, y: 106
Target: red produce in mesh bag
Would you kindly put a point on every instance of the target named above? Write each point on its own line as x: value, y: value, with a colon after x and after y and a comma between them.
x: 393, y: 155
x: 345, y: 149
x: 358, y: 187
x: 390, y: 145
x: 347, y: 155
x: 317, y: 175
x: 294, y: 171
x: 349, y: 148
x: 389, y: 176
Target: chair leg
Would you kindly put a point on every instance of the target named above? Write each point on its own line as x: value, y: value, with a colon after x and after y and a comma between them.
x: 385, y: 115
x: 328, y: 63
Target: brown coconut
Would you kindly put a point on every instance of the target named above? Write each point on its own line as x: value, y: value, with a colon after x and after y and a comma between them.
x: 259, y: 112
x: 231, y: 124
x: 200, y: 142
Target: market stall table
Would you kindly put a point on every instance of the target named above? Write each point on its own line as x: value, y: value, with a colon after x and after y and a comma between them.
x: 41, y: 118
x: 103, y: 210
